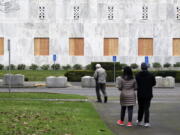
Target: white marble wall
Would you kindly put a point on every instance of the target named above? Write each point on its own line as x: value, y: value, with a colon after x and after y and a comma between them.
x: 20, y: 24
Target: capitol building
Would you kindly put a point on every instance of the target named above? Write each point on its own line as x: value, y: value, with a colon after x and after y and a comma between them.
x: 85, y: 31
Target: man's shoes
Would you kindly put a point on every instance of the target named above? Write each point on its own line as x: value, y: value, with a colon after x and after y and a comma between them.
x: 105, y: 99
x: 120, y: 122
x: 129, y: 124
x: 147, y: 125
x: 99, y: 101
x: 139, y: 123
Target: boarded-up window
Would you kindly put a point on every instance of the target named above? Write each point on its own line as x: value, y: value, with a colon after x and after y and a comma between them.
x: 176, y: 47
x: 145, y: 47
x: 110, y: 46
x: 76, y: 46
x: 1, y: 46
x: 41, y: 46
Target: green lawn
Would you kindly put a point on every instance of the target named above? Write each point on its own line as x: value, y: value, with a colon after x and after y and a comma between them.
x: 49, y: 117
x: 35, y: 75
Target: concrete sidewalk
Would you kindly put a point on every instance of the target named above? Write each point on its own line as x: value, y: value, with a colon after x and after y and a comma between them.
x: 164, y: 116
x: 165, y: 109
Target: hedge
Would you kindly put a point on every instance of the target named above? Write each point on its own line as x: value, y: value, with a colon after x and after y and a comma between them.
x: 75, y: 75
x: 108, y: 65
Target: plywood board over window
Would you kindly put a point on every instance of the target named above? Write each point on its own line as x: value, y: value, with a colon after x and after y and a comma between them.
x: 1, y: 46
x: 110, y: 46
x: 41, y: 46
x: 76, y: 46
x: 176, y: 47
x: 145, y: 47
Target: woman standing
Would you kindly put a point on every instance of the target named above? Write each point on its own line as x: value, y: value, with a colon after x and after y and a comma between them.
x: 127, y: 85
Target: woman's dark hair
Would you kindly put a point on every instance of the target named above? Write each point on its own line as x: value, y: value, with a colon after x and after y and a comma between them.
x: 127, y: 73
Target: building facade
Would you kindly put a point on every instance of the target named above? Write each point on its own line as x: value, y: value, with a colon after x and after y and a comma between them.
x: 82, y: 31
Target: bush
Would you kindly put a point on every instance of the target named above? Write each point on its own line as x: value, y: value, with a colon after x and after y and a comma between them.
x: 166, y: 65
x: 33, y: 67
x: 55, y: 66
x: 21, y: 67
x: 156, y: 65
x: 75, y: 75
x: 12, y: 67
x: 108, y: 65
x: 77, y: 67
x: 88, y: 67
x: 177, y: 64
x: 67, y: 67
x: 134, y: 66
x: 1, y: 67
x: 45, y: 67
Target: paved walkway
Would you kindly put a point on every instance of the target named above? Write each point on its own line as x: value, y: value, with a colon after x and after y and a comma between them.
x: 165, y: 109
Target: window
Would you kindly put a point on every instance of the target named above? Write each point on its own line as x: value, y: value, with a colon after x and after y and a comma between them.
x: 76, y: 12
x: 145, y: 12
x: 41, y: 12
x: 178, y: 13
x: 176, y: 47
x: 145, y: 47
x: 1, y: 46
x: 41, y: 46
x: 110, y: 12
x: 110, y: 46
x: 76, y: 46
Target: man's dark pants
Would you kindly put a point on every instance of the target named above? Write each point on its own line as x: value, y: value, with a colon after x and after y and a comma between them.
x: 143, y: 109
x: 102, y: 87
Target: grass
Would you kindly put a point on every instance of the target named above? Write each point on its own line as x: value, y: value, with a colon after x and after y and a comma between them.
x: 49, y: 117
x: 35, y: 75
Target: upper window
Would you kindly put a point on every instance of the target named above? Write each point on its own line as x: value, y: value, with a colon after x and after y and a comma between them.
x: 145, y: 12
x: 1, y: 46
x: 110, y: 46
x: 176, y: 47
x: 110, y: 12
x: 42, y: 12
x: 178, y: 13
x: 41, y: 46
x: 76, y: 12
x: 76, y: 46
x: 145, y: 47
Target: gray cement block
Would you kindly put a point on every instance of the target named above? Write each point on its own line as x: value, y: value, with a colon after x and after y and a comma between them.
x: 165, y: 82
x: 88, y: 82
x: 56, y: 82
x: 13, y: 80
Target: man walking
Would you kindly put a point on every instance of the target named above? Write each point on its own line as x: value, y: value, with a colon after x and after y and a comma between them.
x: 100, y: 77
x: 145, y: 82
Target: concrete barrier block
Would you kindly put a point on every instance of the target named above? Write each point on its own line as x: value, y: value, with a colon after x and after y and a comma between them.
x: 88, y: 82
x: 159, y: 81
x: 13, y: 80
x: 56, y: 82
x: 165, y: 82
x: 117, y: 80
x: 170, y: 81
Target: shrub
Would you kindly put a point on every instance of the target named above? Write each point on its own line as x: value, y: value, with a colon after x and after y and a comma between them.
x: 75, y: 75
x: 166, y: 65
x: 33, y: 67
x: 55, y: 66
x: 21, y: 67
x: 134, y: 66
x: 45, y: 67
x: 88, y: 67
x: 67, y: 67
x: 177, y: 64
x: 156, y: 65
x: 108, y: 65
x: 77, y: 67
x: 1, y: 67
x: 12, y: 67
